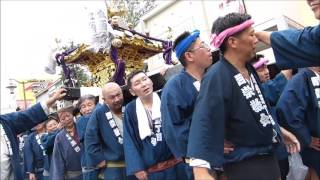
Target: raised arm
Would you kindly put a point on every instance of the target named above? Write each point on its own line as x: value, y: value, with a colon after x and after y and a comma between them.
x: 264, y: 36
x: 25, y: 120
x: 294, y: 48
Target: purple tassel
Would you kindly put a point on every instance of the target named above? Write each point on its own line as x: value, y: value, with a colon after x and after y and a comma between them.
x: 119, y: 74
x: 167, y: 53
x: 167, y: 45
x: 66, y: 69
x: 114, y: 54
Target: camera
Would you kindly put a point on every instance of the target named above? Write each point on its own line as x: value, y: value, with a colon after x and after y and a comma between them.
x: 73, y: 93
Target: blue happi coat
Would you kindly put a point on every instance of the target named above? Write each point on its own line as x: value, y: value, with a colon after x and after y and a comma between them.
x: 21, y: 142
x: 81, y: 127
x: 227, y: 110
x: 90, y: 173
x: 101, y: 144
x: 16, y: 123
x: 299, y: 110
x: 273, y: 88
x: 47, y: 141
x: 177, y: 104
x: 34, y: 156
x: 142, y: 154
x: 66, y: 159
x: 296, y: 48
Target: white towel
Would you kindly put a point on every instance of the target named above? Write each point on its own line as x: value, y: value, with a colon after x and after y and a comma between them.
x: 143, y: 122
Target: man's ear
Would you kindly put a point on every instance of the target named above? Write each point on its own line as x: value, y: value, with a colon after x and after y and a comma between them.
x: 188, y: 56
x: 132, y: 92
x: 232, y: 42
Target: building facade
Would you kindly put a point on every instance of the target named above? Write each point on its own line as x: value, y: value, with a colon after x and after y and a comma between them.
x: 175, y: 17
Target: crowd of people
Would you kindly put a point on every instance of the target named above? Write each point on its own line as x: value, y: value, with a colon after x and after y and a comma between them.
x: 225, y: 120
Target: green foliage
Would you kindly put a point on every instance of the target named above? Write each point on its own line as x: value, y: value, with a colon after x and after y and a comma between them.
x: 79, y: 74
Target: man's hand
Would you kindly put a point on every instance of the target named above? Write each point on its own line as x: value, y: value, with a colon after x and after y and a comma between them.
x: 264, y: 36
x: 227, y: 147
x: 163, y: 70
x: 141, y: 175
x: 287, y: 73
x: 60, y: 125
x: 290, y: 140
x: 102, y: 164
x: 315, y: 143
x: 58, y: 95
x: 32, y: 176
x: 201, y: 173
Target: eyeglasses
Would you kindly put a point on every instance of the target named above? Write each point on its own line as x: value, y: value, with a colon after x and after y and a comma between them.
x: 203, y: 45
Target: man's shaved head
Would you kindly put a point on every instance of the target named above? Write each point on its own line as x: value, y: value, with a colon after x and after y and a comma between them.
x: 112, y: 96
x: 110, y: 87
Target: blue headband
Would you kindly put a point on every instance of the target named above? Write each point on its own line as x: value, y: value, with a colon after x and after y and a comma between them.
x: 185, y: 44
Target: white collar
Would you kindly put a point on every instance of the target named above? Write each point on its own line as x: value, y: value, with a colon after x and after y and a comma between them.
x: 143, y: 122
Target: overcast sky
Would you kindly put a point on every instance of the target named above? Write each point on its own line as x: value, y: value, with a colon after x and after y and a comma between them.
x: 28, y: 29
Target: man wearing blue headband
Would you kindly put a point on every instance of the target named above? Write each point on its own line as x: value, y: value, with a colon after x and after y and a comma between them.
x: 180, y: 93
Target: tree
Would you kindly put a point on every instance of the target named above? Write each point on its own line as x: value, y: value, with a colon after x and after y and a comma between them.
x: 135, y: 9
x: 79, y: 74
